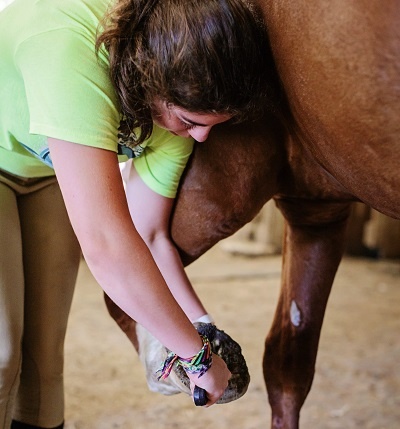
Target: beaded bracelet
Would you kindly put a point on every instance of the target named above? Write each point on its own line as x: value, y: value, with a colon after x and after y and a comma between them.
x: 197, y: 364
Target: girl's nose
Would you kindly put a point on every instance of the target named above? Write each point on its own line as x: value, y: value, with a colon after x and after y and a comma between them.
x: 200, y: 134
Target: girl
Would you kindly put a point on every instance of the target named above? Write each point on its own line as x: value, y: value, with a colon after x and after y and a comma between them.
x: 84, y: 84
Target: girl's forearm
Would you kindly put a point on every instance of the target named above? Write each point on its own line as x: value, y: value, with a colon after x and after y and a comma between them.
x: 169, y: 263
x: 137, y: 286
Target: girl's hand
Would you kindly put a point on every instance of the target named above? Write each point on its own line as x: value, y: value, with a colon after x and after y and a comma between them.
x: 214, y: 381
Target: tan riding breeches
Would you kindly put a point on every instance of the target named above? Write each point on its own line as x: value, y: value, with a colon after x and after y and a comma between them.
x: 39, y: 259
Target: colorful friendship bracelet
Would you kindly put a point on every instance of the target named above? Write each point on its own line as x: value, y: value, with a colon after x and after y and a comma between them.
x: 197, y: 364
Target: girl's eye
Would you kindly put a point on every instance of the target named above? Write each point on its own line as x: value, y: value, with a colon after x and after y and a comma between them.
x: 187, y: 126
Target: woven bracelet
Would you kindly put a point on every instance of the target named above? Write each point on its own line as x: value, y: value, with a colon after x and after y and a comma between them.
x: 197, y: 364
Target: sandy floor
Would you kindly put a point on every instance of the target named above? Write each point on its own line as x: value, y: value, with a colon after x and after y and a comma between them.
x: 357, y: 384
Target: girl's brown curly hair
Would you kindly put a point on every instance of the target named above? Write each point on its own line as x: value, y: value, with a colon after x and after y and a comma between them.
x: 205, y: 56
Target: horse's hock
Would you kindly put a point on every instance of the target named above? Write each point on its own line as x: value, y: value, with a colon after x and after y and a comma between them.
x: 369, y: 233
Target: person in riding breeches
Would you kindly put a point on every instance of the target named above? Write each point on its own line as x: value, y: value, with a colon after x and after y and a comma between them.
x: 84, y: 85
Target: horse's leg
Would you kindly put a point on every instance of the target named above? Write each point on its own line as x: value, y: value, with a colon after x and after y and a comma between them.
x: 226, y: 184
x: 127, y: 325
x: 313, y: 247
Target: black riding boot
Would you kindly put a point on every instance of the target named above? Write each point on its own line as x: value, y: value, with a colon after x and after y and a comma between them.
x: 19, y: 425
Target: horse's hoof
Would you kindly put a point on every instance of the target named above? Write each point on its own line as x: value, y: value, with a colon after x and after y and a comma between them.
x: 230, y: 351
x: 152, y: 353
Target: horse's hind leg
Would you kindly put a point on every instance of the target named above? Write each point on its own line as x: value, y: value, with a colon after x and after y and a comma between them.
x: 313, y: 247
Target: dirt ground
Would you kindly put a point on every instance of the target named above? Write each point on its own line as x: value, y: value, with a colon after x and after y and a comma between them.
x: 357, y: 383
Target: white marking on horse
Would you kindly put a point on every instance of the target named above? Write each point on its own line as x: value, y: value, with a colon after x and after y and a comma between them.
x: 295, y: 315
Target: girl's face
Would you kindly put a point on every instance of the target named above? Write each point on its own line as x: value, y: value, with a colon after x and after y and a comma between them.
x: 184, y: 123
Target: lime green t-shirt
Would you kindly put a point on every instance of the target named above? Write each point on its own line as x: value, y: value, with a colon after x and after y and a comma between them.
x: 52, y: 84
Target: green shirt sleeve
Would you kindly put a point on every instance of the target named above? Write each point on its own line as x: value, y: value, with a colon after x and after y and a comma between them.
x: 68, y: 90
x: 163, y: 160
x: 52, y: 83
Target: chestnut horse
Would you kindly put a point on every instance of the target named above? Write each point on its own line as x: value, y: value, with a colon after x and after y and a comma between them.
x: 333, y: 139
